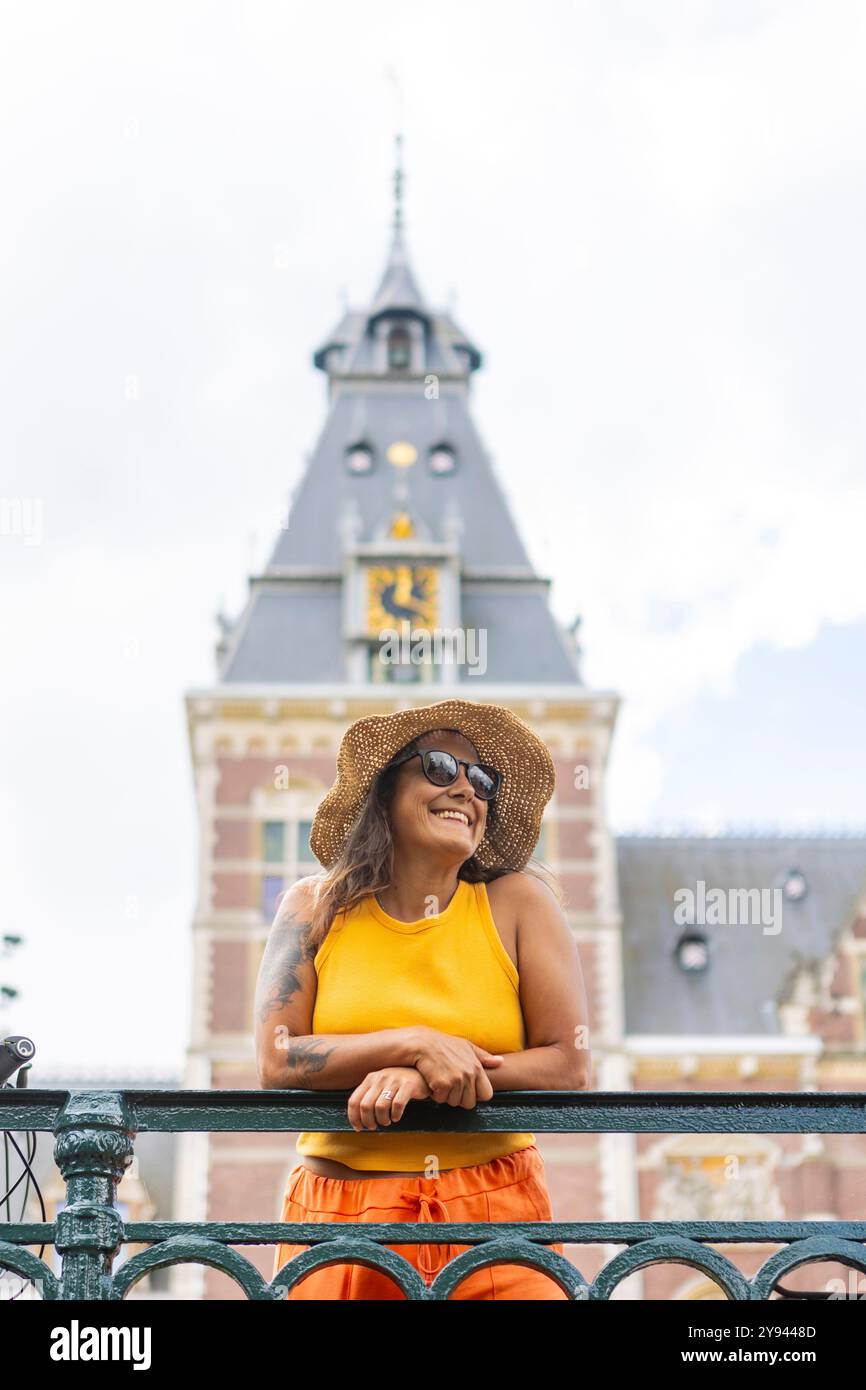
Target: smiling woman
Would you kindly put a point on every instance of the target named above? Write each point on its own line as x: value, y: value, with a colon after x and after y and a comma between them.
x: 424, y: 962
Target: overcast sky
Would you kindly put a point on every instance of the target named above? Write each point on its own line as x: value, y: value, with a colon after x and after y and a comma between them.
x: 649, y: 216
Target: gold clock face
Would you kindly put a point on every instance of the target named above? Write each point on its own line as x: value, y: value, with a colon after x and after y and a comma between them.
x: 401, y: 593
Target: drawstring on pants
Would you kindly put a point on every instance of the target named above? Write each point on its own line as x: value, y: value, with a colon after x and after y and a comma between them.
x: 425, y: 1203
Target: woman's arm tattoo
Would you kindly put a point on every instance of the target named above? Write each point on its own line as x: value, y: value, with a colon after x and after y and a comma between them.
x: 287, y: 949
x: 284, y: 954
x: 307, y: 1055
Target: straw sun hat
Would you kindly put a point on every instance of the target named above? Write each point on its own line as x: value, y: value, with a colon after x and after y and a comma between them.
x: 502, y: 740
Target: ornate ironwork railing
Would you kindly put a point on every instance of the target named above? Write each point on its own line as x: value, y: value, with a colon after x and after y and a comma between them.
x: 94, y: 1133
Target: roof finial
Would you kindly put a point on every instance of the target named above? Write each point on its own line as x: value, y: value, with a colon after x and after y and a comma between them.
x: 398, y: 183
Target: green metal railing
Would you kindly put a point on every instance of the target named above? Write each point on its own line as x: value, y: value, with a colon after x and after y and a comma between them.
x: 94, y: 1145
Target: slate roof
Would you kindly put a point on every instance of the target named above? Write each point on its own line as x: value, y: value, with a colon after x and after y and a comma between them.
x: 378, y: 419
x: 750, y: 971
x: 287, y: 634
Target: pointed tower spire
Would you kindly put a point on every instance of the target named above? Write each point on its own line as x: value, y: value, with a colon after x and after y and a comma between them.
x: 398, y: 288
x: 398, y: 182
x: 432, y: 342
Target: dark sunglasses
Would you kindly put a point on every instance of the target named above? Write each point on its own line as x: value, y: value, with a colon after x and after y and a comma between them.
x: 442, y: 769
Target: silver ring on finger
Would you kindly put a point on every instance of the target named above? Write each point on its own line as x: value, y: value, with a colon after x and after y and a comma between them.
x: 387, y: 1095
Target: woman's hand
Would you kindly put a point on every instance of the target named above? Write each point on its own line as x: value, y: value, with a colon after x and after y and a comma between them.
x: 454, y: 1068
x: 369, y: 1107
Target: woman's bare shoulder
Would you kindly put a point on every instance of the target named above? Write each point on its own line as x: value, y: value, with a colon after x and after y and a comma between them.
x: 518, y: 887
x: 299, y: 900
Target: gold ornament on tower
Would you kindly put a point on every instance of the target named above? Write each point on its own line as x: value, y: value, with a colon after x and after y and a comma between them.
x: 402, y: 527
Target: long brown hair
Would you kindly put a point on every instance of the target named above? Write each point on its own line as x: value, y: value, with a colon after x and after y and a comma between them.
x: 366, y: 863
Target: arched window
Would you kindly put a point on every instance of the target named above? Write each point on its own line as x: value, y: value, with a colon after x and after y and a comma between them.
x: 399, y: 349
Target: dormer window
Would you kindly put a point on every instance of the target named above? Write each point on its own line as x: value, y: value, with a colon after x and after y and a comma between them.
x: 399, y: 349
x: 359, y: 458
x: 442, y: 459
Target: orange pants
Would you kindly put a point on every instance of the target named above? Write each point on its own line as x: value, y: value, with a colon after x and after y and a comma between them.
x: 511, y: 1188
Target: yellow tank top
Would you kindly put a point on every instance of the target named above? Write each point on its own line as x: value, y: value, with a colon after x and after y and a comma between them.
x: 449, y: 972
